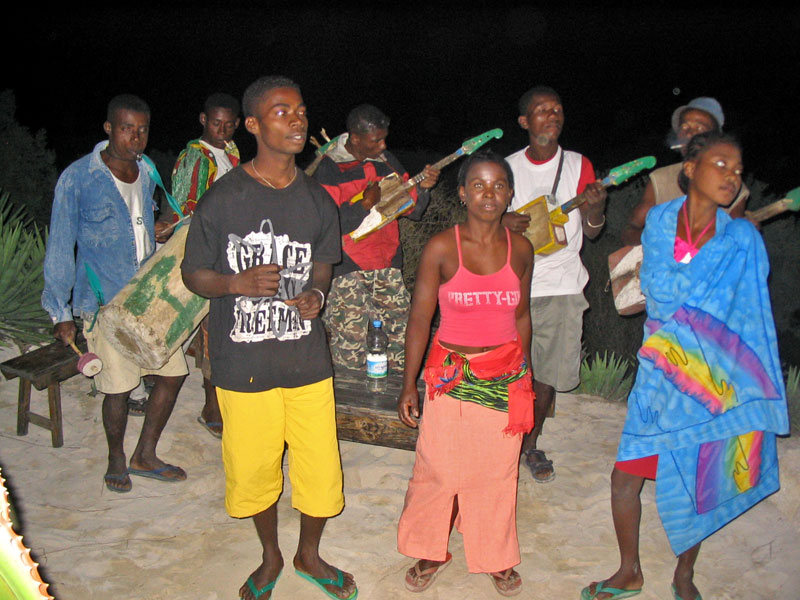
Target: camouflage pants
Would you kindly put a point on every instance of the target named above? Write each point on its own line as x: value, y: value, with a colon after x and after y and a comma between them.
x: 200, y: 347
x: 355, y: 299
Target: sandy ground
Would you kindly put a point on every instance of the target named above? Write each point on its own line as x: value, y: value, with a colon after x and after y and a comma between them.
x: 176, y: 541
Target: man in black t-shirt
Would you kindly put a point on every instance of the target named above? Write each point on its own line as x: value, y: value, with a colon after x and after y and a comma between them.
x: 261, y: 246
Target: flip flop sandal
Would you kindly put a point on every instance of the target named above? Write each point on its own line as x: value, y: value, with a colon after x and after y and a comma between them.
x: 257, y: 593
x: 137, y: 407
x: 538, y: 463
x: 121, y: 478
x: 600, y: 588
x: 321, y: 582
x: 158, y: 473
x: 413, y: 586
x: 509, y: 591
x: 677, y: 597
x: 209, y: 426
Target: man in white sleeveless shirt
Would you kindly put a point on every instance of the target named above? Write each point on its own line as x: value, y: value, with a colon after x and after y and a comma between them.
x: 557, y: 301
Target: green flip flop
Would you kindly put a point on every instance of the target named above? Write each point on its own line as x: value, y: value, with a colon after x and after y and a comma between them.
x: 677, y: 597
x: 321, y: 582
x: 600, y: 588
x: 257, y: 593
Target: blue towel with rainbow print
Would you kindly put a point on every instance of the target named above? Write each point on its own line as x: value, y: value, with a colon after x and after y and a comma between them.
x: 709, y: 396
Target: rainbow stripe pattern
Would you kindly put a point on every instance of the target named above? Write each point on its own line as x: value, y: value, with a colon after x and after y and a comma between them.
x: 702, y: 357
x: 726, y: 468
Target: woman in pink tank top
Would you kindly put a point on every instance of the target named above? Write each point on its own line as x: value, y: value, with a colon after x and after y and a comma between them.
x: 479, y: 397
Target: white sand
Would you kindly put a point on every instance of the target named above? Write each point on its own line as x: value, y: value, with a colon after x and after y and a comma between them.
x: 175, y: 541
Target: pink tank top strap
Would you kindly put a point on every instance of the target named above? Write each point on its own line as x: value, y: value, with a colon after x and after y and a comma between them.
x: 458, y: 245
x: 508, y: 239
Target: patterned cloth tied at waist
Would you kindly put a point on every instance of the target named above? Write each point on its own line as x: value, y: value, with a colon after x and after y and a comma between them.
x: 498, y: 379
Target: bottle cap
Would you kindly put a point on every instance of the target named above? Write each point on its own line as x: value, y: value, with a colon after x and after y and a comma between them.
x: 377, y: 323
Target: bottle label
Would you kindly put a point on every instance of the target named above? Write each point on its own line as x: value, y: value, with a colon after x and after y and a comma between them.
x: 377, y: 365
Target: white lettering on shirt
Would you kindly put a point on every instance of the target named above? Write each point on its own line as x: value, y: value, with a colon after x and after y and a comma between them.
x: 490, y: 298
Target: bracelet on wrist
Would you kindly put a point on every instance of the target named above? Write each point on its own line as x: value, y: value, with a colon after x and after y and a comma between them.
x: 321, y: 294
x: 592, y: 225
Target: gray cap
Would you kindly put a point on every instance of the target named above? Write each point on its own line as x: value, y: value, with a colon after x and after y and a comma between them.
x: 704, y: 103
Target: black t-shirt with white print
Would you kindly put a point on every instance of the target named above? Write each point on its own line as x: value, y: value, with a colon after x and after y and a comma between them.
x: 258, y: 344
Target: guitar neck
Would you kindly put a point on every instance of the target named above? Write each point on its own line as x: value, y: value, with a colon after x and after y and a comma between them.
x: 439, y: 165
x: 770, y: 210
x: 581, y: 198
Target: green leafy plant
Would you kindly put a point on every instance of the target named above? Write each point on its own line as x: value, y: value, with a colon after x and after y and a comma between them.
x: 22, y: 248
x: 606, y: 376
x: 793, y: 396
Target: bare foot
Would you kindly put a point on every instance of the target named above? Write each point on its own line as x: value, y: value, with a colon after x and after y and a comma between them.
x: 507, y: 583
x: 344, y: 587
x: 422, y: 575
x: 257, y: 586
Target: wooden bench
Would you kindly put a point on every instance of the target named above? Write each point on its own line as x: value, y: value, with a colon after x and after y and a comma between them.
x: 361, y: 416
x: 42, y: 368
x: 369, y: 417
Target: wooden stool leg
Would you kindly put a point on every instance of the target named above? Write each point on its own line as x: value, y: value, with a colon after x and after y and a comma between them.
x: 24, y: 406
x: 54, y: 398
x: 552, y: 411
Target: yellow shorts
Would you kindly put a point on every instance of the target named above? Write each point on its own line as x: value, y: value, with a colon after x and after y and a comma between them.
x: 119, y: 374
x: 256, y: 427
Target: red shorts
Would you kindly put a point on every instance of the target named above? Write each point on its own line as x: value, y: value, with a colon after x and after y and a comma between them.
x: 646, y: 466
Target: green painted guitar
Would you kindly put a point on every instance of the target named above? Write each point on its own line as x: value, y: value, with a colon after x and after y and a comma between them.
x: 395, y: 199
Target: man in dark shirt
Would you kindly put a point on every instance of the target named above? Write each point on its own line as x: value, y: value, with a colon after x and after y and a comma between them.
x: 261, y: 246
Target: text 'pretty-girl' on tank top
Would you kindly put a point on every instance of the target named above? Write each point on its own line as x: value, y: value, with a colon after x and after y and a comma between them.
x: 479, y: 310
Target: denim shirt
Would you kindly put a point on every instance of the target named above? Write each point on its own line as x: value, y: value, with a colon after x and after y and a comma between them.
x: 88, y: 211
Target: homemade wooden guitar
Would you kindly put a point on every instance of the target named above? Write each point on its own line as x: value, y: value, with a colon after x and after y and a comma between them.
x: 624, y: 264
x: 546, y: 229
x: 395, y: 199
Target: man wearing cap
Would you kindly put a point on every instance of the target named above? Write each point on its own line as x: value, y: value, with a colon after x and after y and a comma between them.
x: 700, y: 115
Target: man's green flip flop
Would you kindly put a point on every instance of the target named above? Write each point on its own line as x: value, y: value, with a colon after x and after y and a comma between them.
x: 600, y: 588
x: 321, y: 582
x: 257, y: 593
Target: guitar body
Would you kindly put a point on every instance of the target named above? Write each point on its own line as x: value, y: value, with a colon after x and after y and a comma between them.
x: 546, y: 230
x: 395, y: 201
x: 623, y: 267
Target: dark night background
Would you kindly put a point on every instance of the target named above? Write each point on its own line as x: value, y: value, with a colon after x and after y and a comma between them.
x: 443, y: 73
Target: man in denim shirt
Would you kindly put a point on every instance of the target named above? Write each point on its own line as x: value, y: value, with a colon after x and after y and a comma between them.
x: 104, y: 205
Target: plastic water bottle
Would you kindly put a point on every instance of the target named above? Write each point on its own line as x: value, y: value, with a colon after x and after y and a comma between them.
x: 377, y: 359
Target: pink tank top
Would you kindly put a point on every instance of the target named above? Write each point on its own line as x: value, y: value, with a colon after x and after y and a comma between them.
x: 479, y: 310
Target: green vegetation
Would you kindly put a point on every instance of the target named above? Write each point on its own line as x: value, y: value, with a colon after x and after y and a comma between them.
x: 27, y: 167
x: 606, y: 376
x: 22, y: 248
